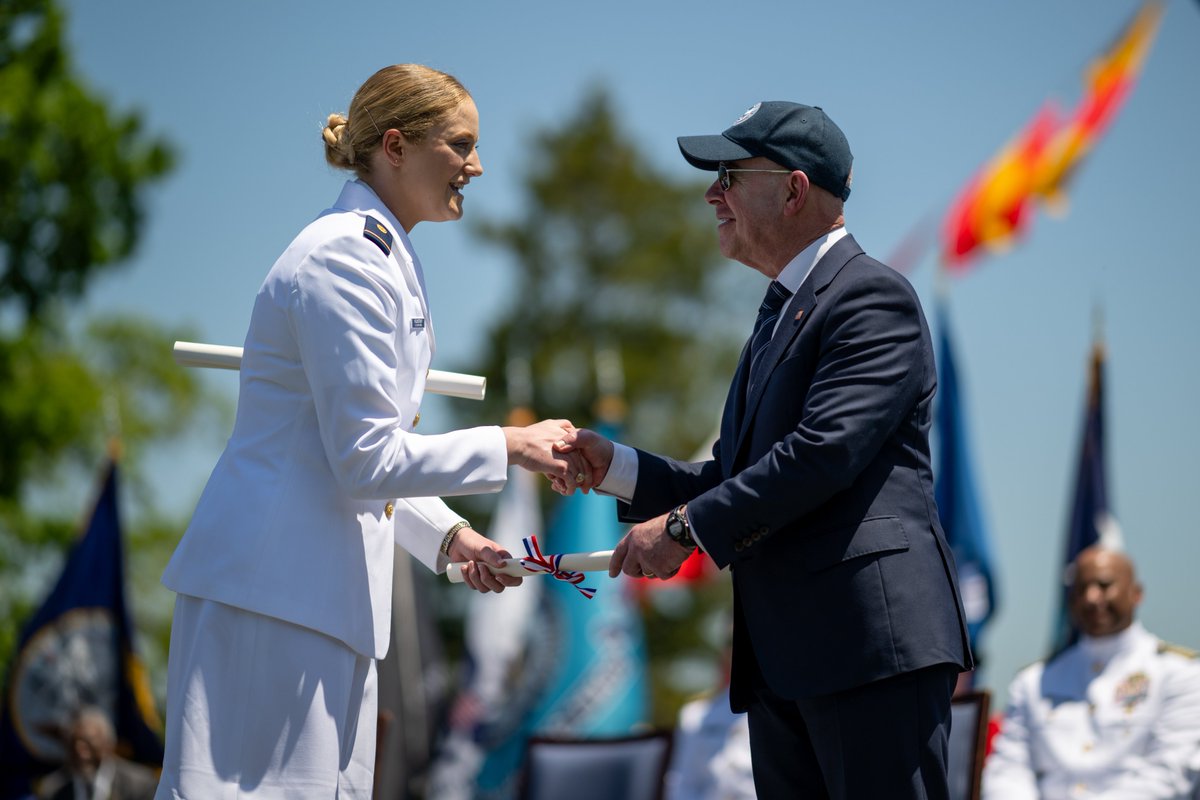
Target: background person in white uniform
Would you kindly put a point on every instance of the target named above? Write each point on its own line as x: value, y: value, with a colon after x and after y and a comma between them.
x: 284, y: 574
x: 1116, y: 715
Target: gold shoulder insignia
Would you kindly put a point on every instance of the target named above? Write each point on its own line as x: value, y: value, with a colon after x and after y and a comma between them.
x: 1179, y: 650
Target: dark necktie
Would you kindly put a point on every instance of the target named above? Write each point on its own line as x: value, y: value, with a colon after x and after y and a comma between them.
x: 777, y: 295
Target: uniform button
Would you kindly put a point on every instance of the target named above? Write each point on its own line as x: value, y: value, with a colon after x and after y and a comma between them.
x: 738, y: 546
x: 416, y: 419
x: 763, y: 531
x: 1087, y: 747
x: 388, y: 509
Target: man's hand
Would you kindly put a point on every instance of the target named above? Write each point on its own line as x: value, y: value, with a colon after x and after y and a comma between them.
x: 647, y: 551
x: 476, y: 550
x: 593, y: 450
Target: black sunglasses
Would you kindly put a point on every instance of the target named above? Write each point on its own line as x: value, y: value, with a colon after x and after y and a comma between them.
x: 723, y: 174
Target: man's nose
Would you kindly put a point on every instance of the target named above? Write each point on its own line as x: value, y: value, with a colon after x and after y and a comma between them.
x: 714, y: 194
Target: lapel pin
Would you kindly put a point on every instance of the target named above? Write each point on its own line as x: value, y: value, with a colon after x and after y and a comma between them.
x: 799, y: 314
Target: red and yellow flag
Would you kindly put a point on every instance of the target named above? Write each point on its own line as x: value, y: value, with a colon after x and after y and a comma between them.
x: 1110, y: 79
x: 994, y: 207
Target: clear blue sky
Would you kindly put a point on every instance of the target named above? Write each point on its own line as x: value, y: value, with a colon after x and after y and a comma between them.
x: 925, y: 91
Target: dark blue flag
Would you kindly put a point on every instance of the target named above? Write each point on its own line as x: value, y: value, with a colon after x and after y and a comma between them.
x: 77, y: 651
x: 1092, y: 520
x: 957, y: 499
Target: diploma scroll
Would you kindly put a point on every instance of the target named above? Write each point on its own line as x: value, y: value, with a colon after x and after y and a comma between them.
x: 218, y: 356
x: 572, y: 562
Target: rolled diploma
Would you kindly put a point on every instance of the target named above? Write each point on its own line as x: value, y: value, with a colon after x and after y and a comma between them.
x: 219, y: 356
x: 571, y: 562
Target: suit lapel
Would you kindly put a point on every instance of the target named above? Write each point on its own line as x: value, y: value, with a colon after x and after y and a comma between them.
x: 793, y: 318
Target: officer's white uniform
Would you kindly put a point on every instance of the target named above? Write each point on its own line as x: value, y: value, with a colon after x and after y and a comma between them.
x: 287, y: 562
x: 1111, y: 717
x: 711, y: 755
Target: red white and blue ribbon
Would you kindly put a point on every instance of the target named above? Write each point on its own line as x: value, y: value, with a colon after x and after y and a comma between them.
x: 552, y: 564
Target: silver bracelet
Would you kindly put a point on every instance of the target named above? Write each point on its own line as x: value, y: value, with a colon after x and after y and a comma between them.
x: 450, y: 534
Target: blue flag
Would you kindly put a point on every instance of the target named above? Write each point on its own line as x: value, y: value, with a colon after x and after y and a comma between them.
x: 957, y: 499
x: 76, y: 651
x: 1092, y: 520
x: 588, y: 662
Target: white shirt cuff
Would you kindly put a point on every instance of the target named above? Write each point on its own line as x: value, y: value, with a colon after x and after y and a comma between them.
x: 621, y: 478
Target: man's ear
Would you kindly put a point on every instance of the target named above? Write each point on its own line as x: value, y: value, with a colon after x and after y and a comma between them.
x: 797, y: 193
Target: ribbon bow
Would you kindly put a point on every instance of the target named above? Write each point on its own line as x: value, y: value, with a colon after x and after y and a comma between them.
x: 537, y: 562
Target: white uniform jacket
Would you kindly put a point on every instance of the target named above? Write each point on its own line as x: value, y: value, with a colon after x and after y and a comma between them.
x: 1116, y: 717
x: 322, y: 469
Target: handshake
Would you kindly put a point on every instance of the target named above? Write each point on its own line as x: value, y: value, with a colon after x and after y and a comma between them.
x: 577, y: 458
x: 572, y: 458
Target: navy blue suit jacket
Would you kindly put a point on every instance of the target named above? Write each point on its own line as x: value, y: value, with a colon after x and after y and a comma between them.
x: 819, y: 494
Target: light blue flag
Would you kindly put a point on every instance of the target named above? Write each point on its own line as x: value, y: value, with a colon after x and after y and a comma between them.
x: 586, y: 658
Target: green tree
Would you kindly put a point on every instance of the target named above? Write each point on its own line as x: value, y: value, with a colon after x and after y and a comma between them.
x: 72, y: 172
x: 73, y: 179
x: 615, y: 261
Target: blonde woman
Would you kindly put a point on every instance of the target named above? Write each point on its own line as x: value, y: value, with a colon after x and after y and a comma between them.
x: 283, y: 578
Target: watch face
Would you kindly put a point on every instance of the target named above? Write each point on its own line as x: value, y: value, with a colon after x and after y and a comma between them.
x: 675, y: 527
x: 70, y: 663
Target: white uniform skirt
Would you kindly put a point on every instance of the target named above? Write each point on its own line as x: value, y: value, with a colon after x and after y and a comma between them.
x: 260, y: 708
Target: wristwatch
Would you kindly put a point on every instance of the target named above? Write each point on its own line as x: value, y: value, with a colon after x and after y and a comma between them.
x: 678, y: 528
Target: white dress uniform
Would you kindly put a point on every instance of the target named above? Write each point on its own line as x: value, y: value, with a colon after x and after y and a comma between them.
x: 284, y: 575
x: 1115, y: 717
x: 711, y: 755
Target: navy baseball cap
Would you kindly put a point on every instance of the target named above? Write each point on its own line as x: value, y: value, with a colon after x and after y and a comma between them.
x: 792, y: 135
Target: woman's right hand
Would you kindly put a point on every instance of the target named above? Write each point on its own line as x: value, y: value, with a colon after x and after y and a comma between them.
x: 533, y: 448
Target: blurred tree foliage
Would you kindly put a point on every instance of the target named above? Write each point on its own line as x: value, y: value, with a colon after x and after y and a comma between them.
x: 72, y: 172
x: 619, y: 289
x: 73, y: 179
x: 615, y: 257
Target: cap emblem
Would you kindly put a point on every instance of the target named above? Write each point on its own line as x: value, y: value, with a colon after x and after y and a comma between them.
x: 749, y: 112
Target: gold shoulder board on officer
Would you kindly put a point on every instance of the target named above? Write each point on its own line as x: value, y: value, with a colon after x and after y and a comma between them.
x: 1179, y: 650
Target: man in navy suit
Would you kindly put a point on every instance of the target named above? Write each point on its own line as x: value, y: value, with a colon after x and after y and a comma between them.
x: 848, y: 626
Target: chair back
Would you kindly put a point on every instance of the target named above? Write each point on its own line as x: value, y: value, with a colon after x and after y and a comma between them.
x: 629, y: 767
x: 968, y: 740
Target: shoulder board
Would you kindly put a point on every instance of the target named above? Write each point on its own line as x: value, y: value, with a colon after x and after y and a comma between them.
x: 1179, y: 650
x: 378, y: 233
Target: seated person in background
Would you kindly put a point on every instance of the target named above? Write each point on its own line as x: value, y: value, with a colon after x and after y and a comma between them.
x: 710, y: 759
x: 1116, y: 715
x: 711, y: 756
x: 93, y: 769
